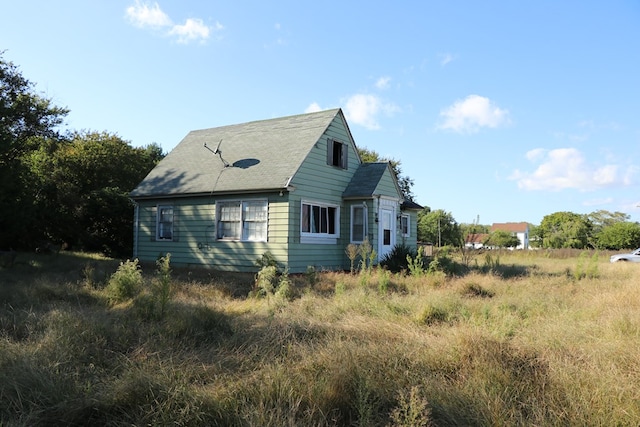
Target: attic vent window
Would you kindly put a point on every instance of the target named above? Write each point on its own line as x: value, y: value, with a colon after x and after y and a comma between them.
x: 337, y: 154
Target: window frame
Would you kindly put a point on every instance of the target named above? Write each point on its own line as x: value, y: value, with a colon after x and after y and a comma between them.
x: 242, y: 232
x: 337, y: 153
x: 352, y: 223
x: 161, y: 234
x: 319, y: 236
x: 406, y: 217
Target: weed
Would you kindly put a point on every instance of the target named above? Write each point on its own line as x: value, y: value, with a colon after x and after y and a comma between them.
x: 416, y: 264
x: 384, y: 279
x: 352, y: 251
x: 125, y: 283
x: 412, y: 410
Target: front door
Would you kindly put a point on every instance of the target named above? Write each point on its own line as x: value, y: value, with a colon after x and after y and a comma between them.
x: 386, y: 231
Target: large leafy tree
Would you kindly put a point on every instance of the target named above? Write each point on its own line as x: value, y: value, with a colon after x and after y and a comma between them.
x: 85, y: 182
x: 619, y: 235
x: 405, y: 183
x: 565, y: 230
x: 438, y: 227
x: 26, y: 119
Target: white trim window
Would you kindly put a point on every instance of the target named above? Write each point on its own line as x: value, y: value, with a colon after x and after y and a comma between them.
x: 319, y: 220
x: 164, y: 223
x: 405, y: 225
x: 358, y: 223
x: 242, y: 220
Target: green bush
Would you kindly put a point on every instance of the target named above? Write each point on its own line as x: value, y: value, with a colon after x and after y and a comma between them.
x: 125, y: 283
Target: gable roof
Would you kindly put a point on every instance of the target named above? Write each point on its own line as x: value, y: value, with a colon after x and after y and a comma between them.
x: 256, y: 156
x: 513, y: 227
x: 476, y: 238
x: 365, y: 180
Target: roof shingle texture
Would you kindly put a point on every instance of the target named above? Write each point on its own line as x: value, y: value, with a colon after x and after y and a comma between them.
x: 261, y: 156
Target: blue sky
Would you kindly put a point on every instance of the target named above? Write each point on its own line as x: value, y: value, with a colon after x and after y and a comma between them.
x: 499, y: 110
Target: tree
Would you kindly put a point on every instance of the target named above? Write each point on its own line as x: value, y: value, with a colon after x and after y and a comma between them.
x: 438, y: 227
x: 565, y: 230
x: 603, y: 219
x: 619, y: 235
x: 405, y: 183
x: 26, y: 119
x: 502, y: 239
x: 85, y: 183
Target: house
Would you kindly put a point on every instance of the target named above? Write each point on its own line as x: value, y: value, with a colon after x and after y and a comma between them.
x: 475, y: 240
x: 519, y: 229
x: 293, y: 186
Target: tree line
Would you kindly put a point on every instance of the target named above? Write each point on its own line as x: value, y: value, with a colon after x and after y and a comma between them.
x: 62, y: 188
x: 601, y: 229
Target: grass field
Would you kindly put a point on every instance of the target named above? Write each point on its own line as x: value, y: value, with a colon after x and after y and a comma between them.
x: 521, y: 338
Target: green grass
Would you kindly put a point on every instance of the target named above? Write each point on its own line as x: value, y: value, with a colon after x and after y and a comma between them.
x: 530, y: 338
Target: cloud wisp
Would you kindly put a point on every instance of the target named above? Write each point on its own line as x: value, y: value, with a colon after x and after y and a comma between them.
x: 150, y: 16
x: 471, y: 114
x: 362, y: 109
x: 567, y: 168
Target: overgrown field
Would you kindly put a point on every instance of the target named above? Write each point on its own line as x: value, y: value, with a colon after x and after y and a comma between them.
x: 523, y: 338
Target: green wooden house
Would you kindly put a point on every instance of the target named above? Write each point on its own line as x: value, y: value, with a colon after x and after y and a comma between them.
x: 293, y: 186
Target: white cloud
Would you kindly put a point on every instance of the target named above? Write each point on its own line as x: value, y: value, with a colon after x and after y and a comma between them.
x: 192, y: 29
x: 149, y: 15
x: 566, y: 168
x: 314, y: 107
x: 145, y: 15
x: 383, y: 82
x: 445, y: 58
x: 364, y: 110
x: 471, y: 114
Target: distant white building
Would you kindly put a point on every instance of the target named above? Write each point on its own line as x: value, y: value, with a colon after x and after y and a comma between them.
x: 518, y: 229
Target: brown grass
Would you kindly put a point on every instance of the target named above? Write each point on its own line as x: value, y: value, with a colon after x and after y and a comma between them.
x: 525, y: 342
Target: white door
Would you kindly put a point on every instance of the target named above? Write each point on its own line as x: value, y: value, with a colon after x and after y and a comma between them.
x: 386, y: 231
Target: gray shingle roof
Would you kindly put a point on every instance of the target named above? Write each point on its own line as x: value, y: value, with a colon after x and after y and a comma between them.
x: 262, y: 155
x: 365, y: 180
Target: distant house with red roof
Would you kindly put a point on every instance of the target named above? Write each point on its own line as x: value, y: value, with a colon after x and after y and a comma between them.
x: 519, y: 229
x: 475, y: 240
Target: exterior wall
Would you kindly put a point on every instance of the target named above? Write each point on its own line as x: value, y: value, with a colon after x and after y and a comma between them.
x: 412, y: 240
x: 194, y: 232
x: 316, y: 181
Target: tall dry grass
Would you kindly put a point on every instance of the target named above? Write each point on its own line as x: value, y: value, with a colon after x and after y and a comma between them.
x: 521, y: 338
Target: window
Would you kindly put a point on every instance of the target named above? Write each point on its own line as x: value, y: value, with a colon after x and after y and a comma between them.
x: 404, y: 225
x: 164, y: 223
x: 319, y: 220
x: 337, y: 154
x: 358, y: 224
x: 242, y: 220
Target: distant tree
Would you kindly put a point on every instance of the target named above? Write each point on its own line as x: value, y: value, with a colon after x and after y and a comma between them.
x: 603, y: 219
x: 439, y: 227
x: 565, y: 230
x: 474, y: 228
x: 535, y: 236
x: 405, y: 183
x: 619, y: 235
x: 26, y: 119
x: 502, y: 239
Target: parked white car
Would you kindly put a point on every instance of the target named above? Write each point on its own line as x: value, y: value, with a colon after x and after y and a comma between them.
x: 631, y: 257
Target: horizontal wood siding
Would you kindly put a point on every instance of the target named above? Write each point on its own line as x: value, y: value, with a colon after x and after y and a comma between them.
x: 317, y: 181
x: 195, y: 240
